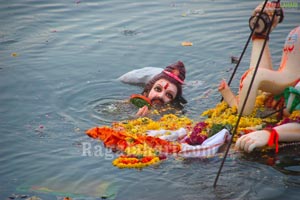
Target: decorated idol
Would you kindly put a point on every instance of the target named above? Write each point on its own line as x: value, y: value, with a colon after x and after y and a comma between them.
x: 267, y: 79
x: 283, y: 82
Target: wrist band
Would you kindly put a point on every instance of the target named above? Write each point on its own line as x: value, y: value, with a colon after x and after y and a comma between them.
x: 273, y: 139
x: 259, y: 36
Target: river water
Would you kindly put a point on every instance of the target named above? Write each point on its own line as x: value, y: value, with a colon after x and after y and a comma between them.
x: 59, y: 64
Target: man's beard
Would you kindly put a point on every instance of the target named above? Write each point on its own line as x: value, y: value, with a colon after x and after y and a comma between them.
x: 157, y: 101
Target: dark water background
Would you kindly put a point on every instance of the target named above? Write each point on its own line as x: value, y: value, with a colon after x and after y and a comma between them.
x: 59, y: 61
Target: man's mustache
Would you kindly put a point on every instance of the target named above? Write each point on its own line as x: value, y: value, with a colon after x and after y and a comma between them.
x: 157, y: 100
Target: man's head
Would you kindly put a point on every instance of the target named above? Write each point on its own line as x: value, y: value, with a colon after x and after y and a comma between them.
x: 166, y: 87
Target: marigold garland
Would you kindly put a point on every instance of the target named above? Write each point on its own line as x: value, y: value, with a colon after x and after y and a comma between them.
x: 295, y: 115
x: 130, y: 137
x: 142, y: 150
x: 134, y: 162
x: 121, y: 140
x: 223, y: 115
x: 140, y: 126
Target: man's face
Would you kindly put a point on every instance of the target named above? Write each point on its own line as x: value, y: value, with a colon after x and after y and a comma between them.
x: 162, y: 92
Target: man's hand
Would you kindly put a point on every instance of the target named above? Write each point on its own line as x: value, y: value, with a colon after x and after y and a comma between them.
x: 142, y: 111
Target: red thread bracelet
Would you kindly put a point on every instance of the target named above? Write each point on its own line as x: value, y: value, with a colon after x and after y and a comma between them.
x: 259, y: 36
x: 273, y: 139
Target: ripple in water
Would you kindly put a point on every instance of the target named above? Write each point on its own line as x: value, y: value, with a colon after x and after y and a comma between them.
x: 110, y: 110
x: 85, y: 103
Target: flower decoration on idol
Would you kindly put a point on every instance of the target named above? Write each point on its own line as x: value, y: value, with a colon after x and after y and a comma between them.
x: 224, y: 116
x: 139, y: 149
x: 198, y: 134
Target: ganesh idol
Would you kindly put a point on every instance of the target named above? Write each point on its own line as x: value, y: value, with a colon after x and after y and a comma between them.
x: 266, y: 79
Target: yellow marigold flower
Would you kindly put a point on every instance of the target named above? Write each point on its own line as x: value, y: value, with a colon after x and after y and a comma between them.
x: 295, y: 114
x: 153, y: 126
x: 155, y: 112
x: 260, y: 99
x: 222, y: 114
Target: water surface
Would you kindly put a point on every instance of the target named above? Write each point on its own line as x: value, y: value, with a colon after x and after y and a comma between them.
x: 59, y: 61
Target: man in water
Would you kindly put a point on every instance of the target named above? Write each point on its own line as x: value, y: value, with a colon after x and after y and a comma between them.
x: 165, y: 88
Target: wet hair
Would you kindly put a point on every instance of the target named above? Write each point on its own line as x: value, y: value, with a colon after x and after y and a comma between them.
x: 178, y: 70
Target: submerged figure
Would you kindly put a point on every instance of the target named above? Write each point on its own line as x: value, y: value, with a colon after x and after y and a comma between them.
x: 164, y: 88
x: 267, y: 79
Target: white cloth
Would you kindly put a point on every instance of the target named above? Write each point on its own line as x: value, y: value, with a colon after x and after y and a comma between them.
x: 168, y: 135
x: 140, y: 76
x: 208, y: 148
